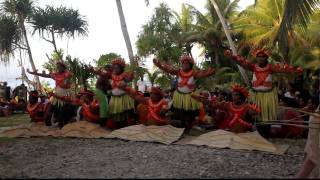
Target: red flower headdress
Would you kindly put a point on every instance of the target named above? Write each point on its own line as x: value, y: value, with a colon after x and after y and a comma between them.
x: 186, y: 58
x: 240, y: 89
x: 262, y: 51
x: 157, y: 90
x: 119, y: 61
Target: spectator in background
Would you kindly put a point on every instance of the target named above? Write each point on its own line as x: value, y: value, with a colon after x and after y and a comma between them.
x: 141, y: 85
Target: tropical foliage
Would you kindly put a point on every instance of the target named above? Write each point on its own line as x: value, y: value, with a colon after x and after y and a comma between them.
x: 59, y: 21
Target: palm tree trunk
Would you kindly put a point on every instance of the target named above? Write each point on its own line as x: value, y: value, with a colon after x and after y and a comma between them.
x: 232, y: 46
x: 54, y: 41
x: 125, y: 32
x: 29, y: 53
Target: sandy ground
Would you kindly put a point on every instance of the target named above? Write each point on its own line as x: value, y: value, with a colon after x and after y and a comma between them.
x: 111, y: 158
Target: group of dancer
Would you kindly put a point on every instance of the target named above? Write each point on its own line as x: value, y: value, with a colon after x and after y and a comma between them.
x: 114, y: 104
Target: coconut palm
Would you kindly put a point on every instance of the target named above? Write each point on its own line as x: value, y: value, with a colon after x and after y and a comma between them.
x: 295, y: 12
x: 260, y: 25
x: 153, y: 76
x: 10, y: 37
x: 58, y: 21
x: 211, y: 30
x: 125, y: 31
x: 185, y: 20
x: 21, y: 10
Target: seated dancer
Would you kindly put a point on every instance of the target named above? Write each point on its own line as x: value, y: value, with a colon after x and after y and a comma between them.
x: 89, y: 105
x: 61, y: 110
x: 263, y: 93
x: 102, y: 88
x: 239, y: 114
x: 156, y: 105
x: 5, y: 108
x: 185, y: 108
x: 35, y: 108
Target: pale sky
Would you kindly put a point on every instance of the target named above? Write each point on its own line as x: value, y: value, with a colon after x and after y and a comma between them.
x: 104, y: 35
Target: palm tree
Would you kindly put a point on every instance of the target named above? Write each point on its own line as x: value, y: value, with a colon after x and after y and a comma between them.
x: 61, y: 21
x: 185, y: 20
x: 125, y: 32
x: 153, y: 76
x: 210, y: 32
x: 21, y: 10
x: 10, y: 37
x: 295, y: 12
x: 261, y: 24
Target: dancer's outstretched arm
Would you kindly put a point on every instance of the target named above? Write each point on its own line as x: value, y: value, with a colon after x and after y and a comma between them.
x: 278, y: 68
x: 43, y: 74
x: 206, y: 101
x: 240, y: 60
x: 204, y: 73
x: 165, y: 67
x: 133, y: 94
x: 100, y: 71
x: 129, y: 76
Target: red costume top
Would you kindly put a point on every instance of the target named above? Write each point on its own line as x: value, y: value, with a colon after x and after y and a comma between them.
x: 236, y: 116
x: 115, y: 82
x: 154, y: 110
x: 36, y: 112
x: 186, y: 81
x: 91, y: 111
x: 62, y: 79
x: 262, y: 76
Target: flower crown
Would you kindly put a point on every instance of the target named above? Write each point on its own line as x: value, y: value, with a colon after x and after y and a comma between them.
x: 262, y: 51
x: 240, y: 89
x: 186, y: 58
x: 119, y: 61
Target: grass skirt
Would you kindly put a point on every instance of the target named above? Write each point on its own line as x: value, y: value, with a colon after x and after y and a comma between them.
x: 119, y: 104
x: 268, y: 103
x: 59, y: 92
x: 103, y: 103
x: 185, y: 102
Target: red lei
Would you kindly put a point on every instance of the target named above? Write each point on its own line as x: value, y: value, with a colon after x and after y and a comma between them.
x: 261, y: 75
x: 88, y: 114
x: 35, y: 110
x: 185, y: 78
x: 60, y: 79
x: 117, y: 79
x: 238, y: 113
x: 154, y: 110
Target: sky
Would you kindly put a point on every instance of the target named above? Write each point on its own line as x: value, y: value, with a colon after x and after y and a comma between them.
x: 104, y: 35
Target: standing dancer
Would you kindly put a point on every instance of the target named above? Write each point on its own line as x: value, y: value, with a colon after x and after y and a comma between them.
x: 121, y: 105
x: 62, y: 111
x: 184, y: 106
x: 263, y: 93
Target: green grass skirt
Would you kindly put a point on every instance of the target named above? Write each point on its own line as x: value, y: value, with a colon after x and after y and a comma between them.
x: 103, y: 103
x: 268, y: 103
x: 185, y: 102
x: 119, y: 104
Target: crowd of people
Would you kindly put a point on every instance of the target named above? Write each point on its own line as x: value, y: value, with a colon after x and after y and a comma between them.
x: 12, y: 101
